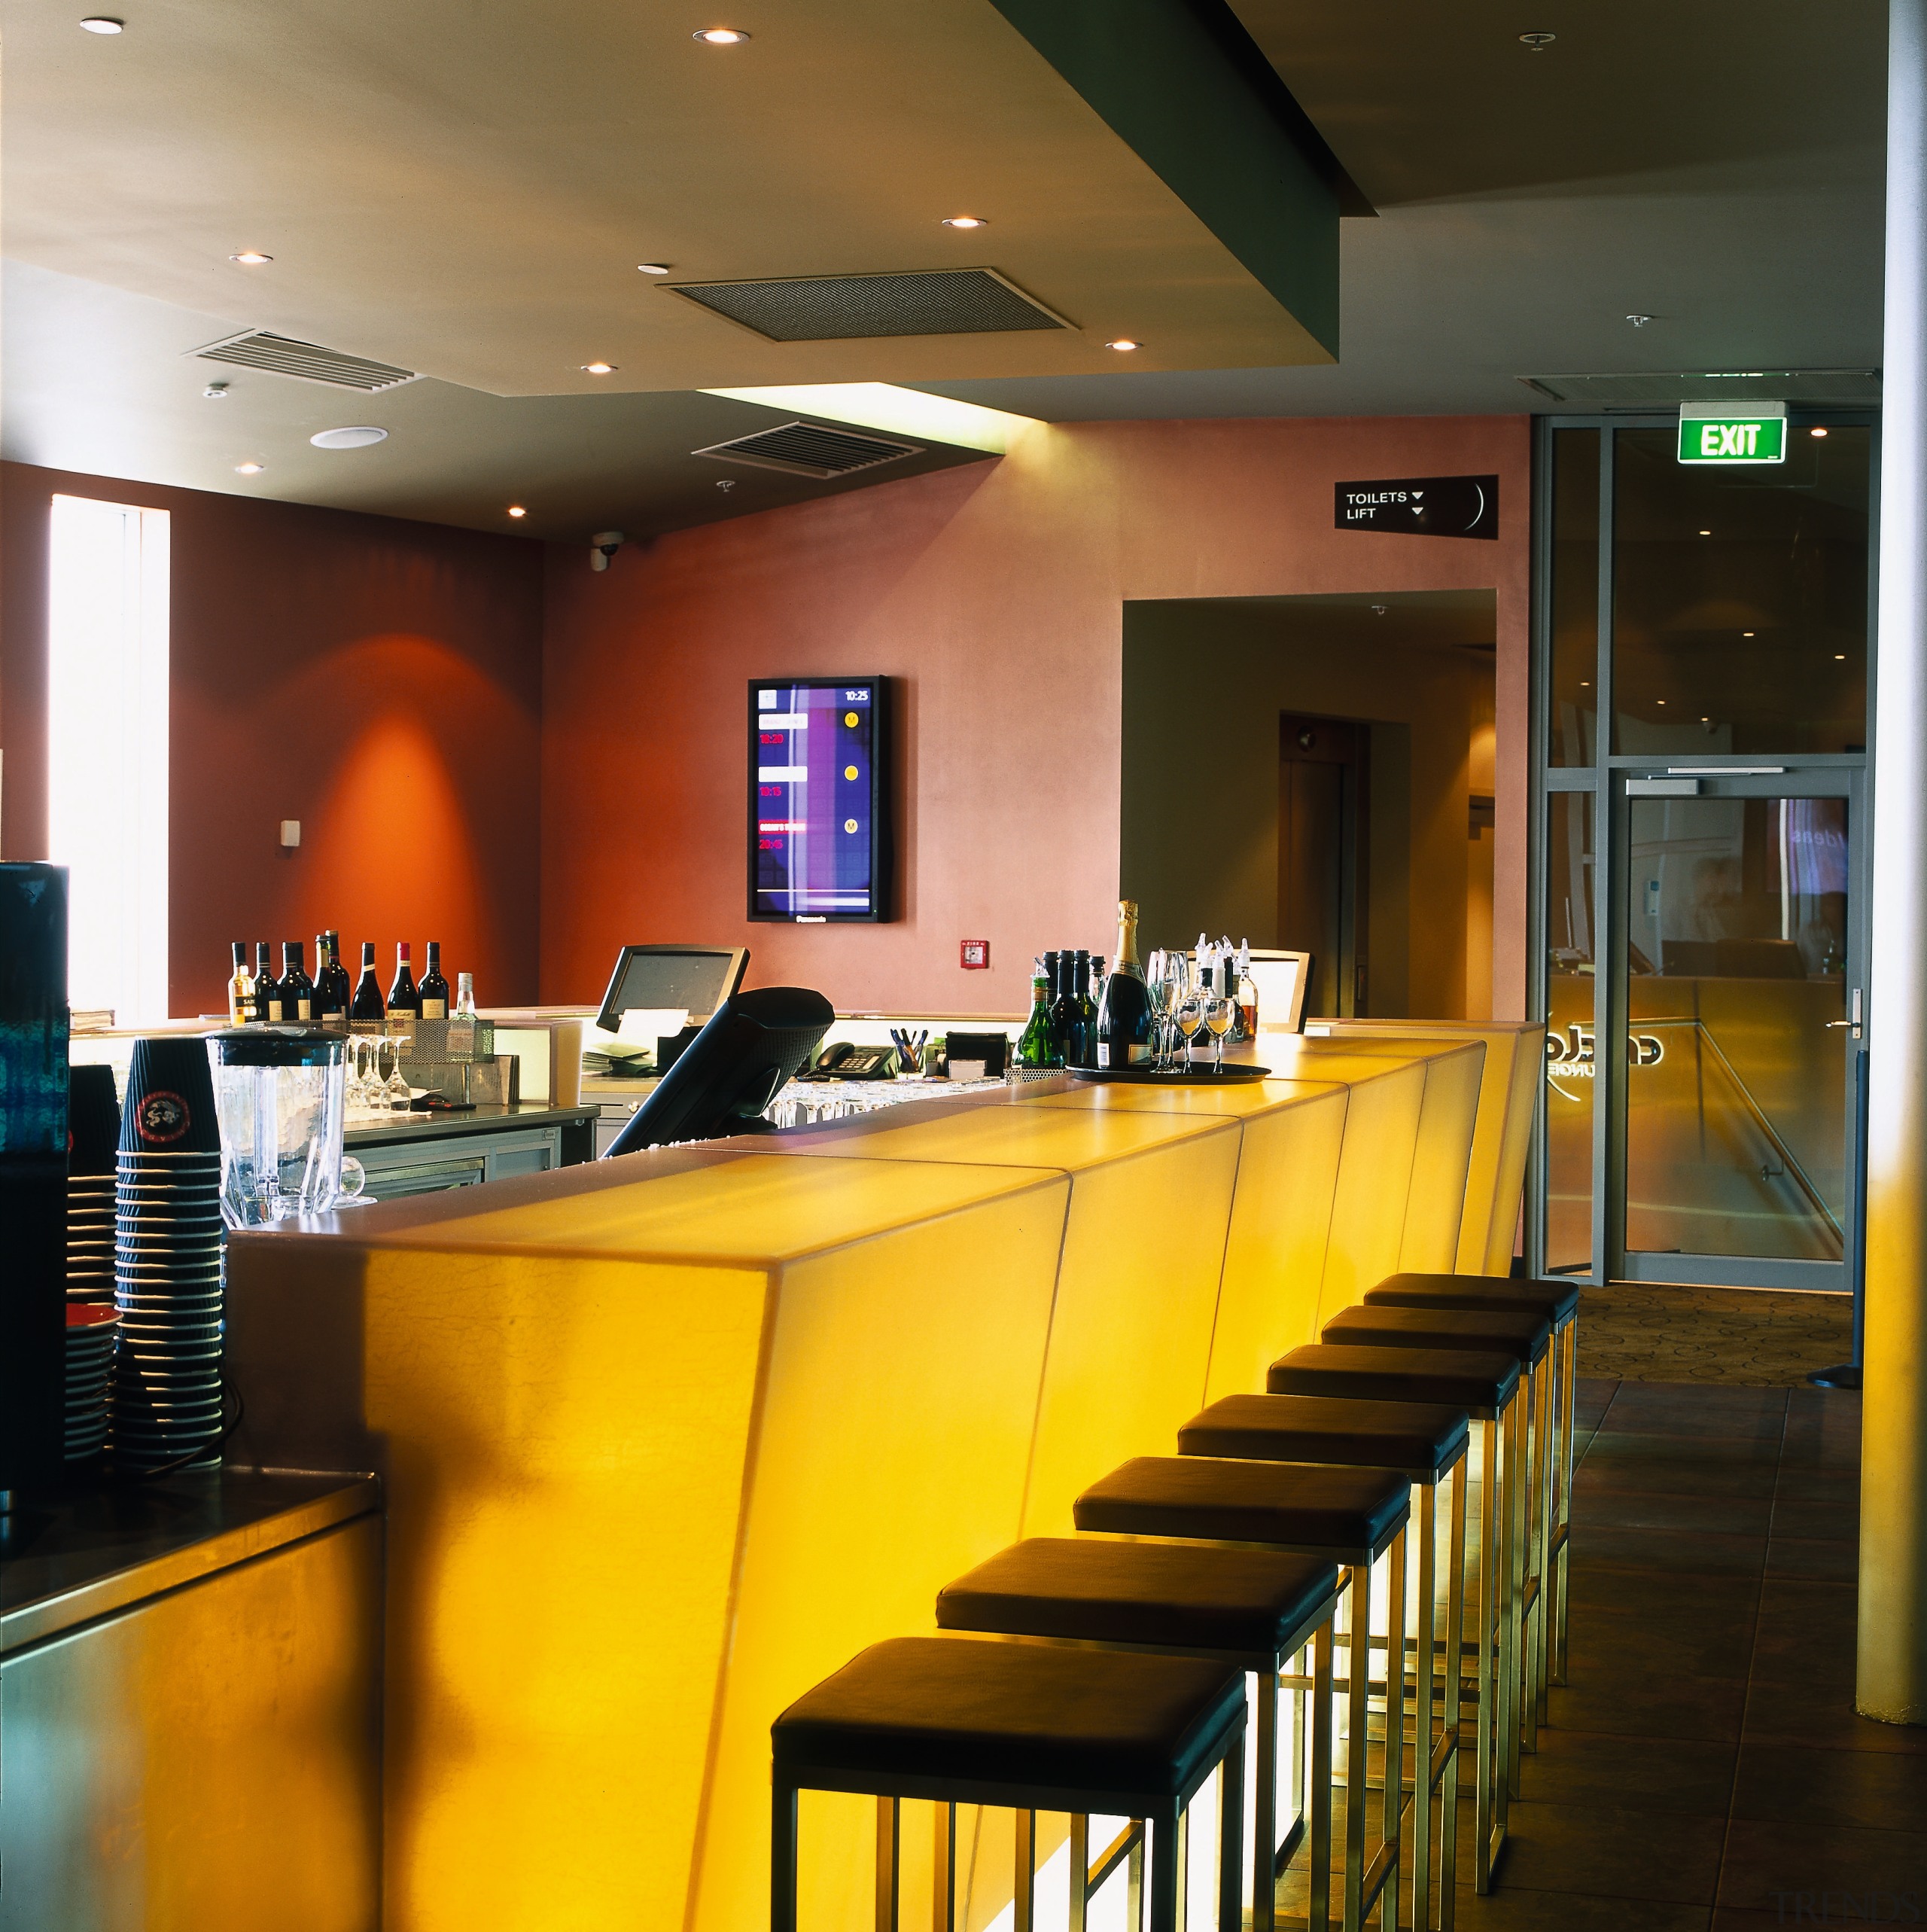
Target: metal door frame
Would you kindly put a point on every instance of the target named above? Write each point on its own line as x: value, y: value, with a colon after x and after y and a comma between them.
x: 1843, y: 774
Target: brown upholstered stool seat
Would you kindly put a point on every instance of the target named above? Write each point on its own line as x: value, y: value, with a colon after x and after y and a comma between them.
x: 1348, y: 1515
x: 1479, y: 1382
x: 1495, y: 1330
x: 1418, y: 1439
x: 1558, y: 1302
x: 942, y: 1709
x: 1198, y: 1597
x: 1124, y: 1733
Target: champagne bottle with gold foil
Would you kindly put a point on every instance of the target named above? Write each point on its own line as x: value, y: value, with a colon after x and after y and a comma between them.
x: 1123, y: 1019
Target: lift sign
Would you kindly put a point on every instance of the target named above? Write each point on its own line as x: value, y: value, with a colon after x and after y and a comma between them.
x: 1743, y: 439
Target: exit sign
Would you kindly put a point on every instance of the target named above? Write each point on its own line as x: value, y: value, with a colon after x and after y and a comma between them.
x: 1718, y: 433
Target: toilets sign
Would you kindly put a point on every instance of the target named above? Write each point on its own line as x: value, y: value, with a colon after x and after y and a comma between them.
x: 1421, y: 506
x: 1717, y: 433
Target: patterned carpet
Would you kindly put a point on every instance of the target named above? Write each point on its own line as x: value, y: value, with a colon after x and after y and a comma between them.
x: 1762, y: 1337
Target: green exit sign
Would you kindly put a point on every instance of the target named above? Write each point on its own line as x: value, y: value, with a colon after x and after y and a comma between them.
x: 1728, y: 435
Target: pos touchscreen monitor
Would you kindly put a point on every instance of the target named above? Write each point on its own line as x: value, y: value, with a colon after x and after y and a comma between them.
x: 820, y: 842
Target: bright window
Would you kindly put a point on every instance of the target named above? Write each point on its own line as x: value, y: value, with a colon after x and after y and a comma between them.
x: 107, y: 750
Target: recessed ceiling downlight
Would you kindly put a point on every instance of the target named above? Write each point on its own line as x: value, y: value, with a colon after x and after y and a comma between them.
x: 250, y: 257
x: 719, y: 36
x: 249, y: 469
x: 103, y: 23
x: 357, y: 437
x: 965, y: 221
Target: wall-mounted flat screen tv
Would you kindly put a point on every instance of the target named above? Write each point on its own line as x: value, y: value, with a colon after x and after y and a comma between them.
x: 820, y: 832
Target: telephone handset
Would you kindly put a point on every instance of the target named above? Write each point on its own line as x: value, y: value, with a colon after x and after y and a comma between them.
x: 844, y: 1061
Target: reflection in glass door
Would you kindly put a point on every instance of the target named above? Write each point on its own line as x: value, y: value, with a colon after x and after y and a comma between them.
x: 1736, y: 916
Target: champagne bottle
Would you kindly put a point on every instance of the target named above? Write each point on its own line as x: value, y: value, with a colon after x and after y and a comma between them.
x: 368, y: 1010
x: 434, y: 989
x: 404, y: 1002
x: 332, y: 991
x: 1034, y: 1048
x: 1124, y: 1016
x: 267, y: 988
x: 241, y: 989
x: 297, y: 990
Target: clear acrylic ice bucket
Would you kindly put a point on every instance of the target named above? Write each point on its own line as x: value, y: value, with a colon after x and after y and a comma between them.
x: 279, y: 1092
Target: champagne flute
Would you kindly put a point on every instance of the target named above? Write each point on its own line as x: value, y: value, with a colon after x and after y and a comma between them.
x: 1190, y: 1017
x: 1219, y: 1015
x: 395, y: 1092
x: 1155, y: 992
x: 1174, y: 981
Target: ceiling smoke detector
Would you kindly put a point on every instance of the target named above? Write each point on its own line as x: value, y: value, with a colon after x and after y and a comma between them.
x: 1537, y: 43
x: 357, y: 437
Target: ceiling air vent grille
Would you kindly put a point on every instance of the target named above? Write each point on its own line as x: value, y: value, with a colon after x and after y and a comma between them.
x: 309, y: 362
x: 809, y: 450
x: 1666, y: 389
x: 834, y: 308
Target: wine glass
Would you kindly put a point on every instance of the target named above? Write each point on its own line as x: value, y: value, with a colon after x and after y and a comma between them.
x: 1220, y: 1013
x: 395, y: 1092
x: 1155, y: 996
x: 1172, y: 981
x: 354, y: 1091
x: 1190, y: 1018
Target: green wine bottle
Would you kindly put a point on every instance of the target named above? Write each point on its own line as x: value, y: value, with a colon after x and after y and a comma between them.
x: 1033, y: 1049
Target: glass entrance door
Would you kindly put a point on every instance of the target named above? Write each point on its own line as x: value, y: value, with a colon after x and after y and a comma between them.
x: 1739, y: 978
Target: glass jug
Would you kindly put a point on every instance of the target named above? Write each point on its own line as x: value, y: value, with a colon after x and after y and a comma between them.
x: 278, y: 1091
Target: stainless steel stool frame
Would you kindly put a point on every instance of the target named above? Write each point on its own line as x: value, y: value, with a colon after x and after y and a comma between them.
x: 1268, y: 1668
x: 1164, y: 1815
x: 1378, y: 1885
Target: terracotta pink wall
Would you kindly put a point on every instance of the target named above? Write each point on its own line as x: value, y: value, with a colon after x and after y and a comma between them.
x: 995, y: 593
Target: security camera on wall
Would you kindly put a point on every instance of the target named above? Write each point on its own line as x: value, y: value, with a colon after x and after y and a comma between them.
x: 603, y: 546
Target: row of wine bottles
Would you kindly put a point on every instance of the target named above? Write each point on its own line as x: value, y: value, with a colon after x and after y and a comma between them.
x: 327, y: 999
x: 1081, y: 1016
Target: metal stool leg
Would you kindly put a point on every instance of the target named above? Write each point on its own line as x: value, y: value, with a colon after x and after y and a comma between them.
x: 889, y: 1825
x: 1514, y: 1495
x: 1395, y: 1734
x: 943, y: 1864
x: 1423, y: 1778
x: 1264, y: 1806
x: 1568, y: 1342
x: 1231, y: 1836
x: 1455, y: 1634
x: 1318, y: 1916
x: 1358, y: 1683
x: 1491, y: 1622
x: 1080, y: 1871
x: 1166, y: 1879
x: 1533, y: 1466
x: 783, y: 1858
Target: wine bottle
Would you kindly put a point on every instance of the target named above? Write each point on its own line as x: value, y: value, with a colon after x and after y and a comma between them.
x: 1080, y: 1043
x: 433, y: 990
x: 240, y: 989
x: 267, y: 988
x: 1034, y: 1046
x: 332, y: 991
x: 404, y: 1001
x: 368, y: 1010
x: 1124, y: 1016
x: 297, y: 990
x: 1065, y: 1018
x: 1248, y: 994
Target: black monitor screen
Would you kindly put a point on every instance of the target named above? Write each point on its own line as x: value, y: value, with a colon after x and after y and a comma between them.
x: 819, y: 844
x: 698, y: 979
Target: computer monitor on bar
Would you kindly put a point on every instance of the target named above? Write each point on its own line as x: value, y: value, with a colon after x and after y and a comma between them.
x: 695, y: 980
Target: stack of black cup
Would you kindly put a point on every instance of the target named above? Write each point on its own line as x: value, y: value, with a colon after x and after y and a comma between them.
x: 94, y: 1136
x: 90, y: 1331
x: 167, y: 1262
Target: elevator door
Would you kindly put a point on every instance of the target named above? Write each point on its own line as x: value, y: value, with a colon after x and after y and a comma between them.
x: 1322, y: 858
x: 1742, y: 972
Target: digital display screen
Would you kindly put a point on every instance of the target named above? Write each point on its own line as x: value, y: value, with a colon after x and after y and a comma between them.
x: 817, y: 849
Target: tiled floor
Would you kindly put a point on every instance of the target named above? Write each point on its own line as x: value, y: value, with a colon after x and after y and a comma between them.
x: 1704, y: 1771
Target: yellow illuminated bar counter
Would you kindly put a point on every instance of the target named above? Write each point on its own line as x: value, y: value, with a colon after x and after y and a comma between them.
x: 665, y: 1439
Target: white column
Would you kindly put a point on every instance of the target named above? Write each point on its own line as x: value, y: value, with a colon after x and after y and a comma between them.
x: 1892, y: 1672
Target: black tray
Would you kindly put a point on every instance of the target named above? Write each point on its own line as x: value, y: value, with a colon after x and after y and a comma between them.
x: 1201, y: 1075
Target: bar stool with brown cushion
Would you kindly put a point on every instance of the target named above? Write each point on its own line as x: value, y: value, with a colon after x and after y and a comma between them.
x: 1487, y: 1387
x: 1528, y: 1336
x: 1123, y: 1734
x: 1428, y: 1446
x: 1558, y: 1301
x: 1250, y: 1608
x: 1352, y: 1517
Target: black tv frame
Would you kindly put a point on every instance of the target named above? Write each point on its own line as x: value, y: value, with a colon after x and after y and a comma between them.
x: 883, y: 844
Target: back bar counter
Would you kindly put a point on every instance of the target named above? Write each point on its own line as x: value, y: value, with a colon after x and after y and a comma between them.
x: 666, y: 1440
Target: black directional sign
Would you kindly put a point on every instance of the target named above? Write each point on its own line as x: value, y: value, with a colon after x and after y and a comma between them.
x: 1421, y: 506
